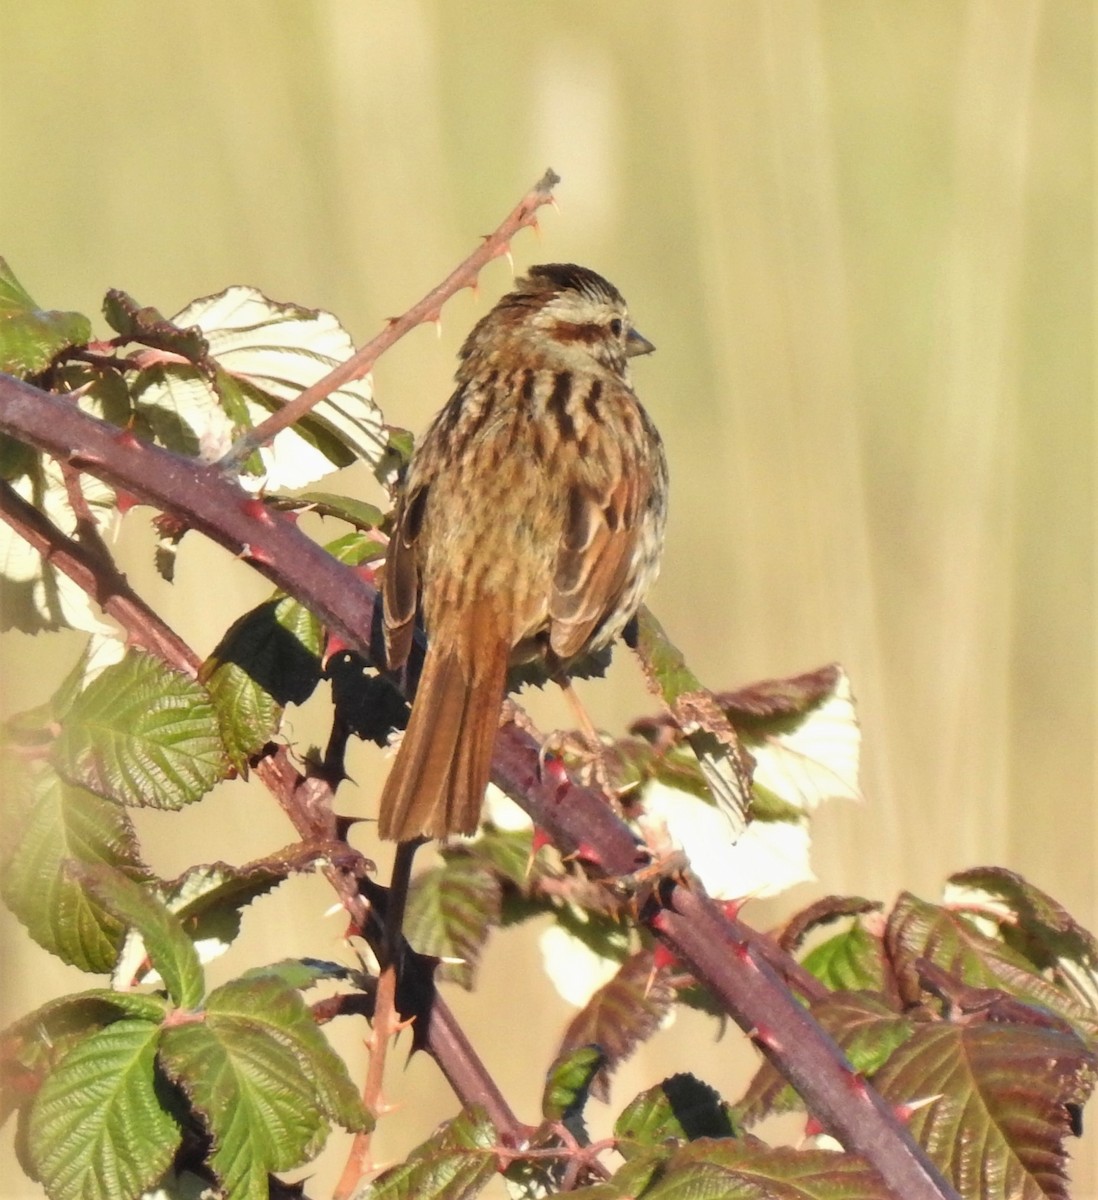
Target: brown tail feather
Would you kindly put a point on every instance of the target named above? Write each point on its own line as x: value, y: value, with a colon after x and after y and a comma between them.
x: 437, y: 781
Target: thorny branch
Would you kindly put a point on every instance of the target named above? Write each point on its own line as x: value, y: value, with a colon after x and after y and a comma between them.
x: 723, y: 953
x: 495, y: 245
x: 717, y: 948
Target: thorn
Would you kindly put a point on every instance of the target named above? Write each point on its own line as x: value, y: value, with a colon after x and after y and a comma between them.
x: 255, y: 553
x: 438, y: 327
x: 765, y: 1036
x: 857, y: 1083
x: 731, y: 908
x: 331, y: 912
x: 663, y: 958
x: 255, y: 508
x: 127, y: 439
x: 585, y: 852
x: 535, y: 225
x: 659, y: 922
x: 125, y: 501
x: 333, y: 646
x: 812, y: 1127
x: 905, y: 1111
x: 743, y: 954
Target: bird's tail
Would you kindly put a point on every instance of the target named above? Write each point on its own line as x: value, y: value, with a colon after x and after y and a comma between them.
x: 437, y: 781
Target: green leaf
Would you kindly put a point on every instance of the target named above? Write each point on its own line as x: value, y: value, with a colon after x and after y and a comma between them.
x: 150, y: 327
x: 850, y: 961
x: 450, y: 911
x: 263, y: 1078
x: 621, y: 1015
x: 62, y: 823
x: 456, y: 1163
x: 359, y: 513
x: 568, y: 1085
x: 36, y: 1043
x: 31, y: 338
x: 999, y: 1097
x: 97, y: 1128
x: 170, y: 950
x: 707, y: 729
x: 746, y: 1169
x: 268, y: 658
x: 299, y: 973
x: 680, y: 1109
x: 208, y: 900
x: 143, y: 734
x: 953, y: 942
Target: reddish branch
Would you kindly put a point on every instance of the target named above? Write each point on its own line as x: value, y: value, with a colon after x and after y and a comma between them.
x: 717, y: 948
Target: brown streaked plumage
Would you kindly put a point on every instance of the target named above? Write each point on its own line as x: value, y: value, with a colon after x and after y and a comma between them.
x: 530, y: 526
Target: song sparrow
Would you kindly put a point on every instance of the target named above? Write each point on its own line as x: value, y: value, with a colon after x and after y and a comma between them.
x: 530, y: 526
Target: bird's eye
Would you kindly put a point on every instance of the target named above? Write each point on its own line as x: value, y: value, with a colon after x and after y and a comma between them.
x: 616, y: 327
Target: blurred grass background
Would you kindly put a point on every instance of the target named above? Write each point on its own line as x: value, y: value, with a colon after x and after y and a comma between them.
x: 862, y: 238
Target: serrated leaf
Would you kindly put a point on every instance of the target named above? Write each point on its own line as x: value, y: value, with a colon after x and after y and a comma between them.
x: 270, y: 1003
x: 208, y: 900
x: 264, y: 353
x: 267, y: 659
x: 456, y: 1163
x: 65, y: 822
x: 254, y: 1098
x: 807, y: 748
x: 143, y: 734
x: 170, y: 951
x: 710, y: 734
x: 768, y: 858
x: 450, y: 911
x: 951, y: 941
x: 1035, y: 924
x: 680, y: 1109
x: 359, y: 513
x: 619, y: 1016
x: 746, y: 1169
x: 568, y: 1085
x: 32, y: 1046
x: 97, y: 1127
x: 264, y: 1079
x: 999, y: 1115
x: 850, y: 961
x: 31, y: 338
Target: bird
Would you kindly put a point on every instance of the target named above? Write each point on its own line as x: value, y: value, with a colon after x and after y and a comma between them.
x: 530, y: 527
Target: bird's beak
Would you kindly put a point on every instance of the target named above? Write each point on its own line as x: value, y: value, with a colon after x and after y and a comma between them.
x: 636, y: 343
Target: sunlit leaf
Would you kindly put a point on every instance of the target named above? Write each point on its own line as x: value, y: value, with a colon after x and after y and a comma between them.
x: 450, y: 910
x: 64, y: 822
x: 97, y: 1127
x: 170, y: 950
x: 679, y: 1109
x: 456, y: 1163
x: 30, y: 338
x: 37, y: 597
x: 621, y: 1015
x: 999, y: 1094
x: 143, y: 734
x: 265, y: 1081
